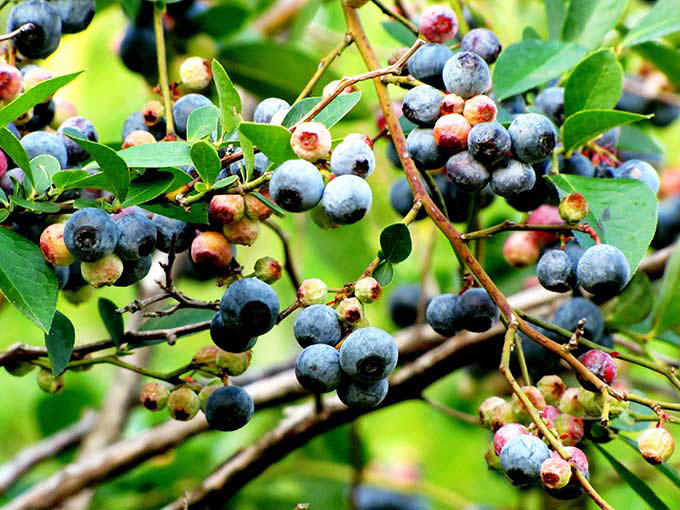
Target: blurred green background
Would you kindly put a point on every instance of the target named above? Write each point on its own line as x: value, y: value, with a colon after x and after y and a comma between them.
x: 448, y: 453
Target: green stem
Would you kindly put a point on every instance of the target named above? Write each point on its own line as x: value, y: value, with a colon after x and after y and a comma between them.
x: 163, y: 67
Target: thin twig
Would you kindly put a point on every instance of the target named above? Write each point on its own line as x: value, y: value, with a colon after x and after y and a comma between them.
x: 287, y: 255
x: 324, y: 64
x: 395, y: 15
x: 163, y: 67
x: 26, y: 27
x: 508, y: 225
x: 454, y: 413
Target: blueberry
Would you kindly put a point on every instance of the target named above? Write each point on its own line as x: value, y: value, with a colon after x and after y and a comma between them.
x: 441, y: 314
x: 466, y: 172
x: 401, y: 199
x: 75, y: 279
x: 229, y: 408
x: 403, y: 304
x: 533, y: 137
x: 296, y: 185
x: 75, y: 152
x: 168, y: 229
x: 514, y: 104
x: 347, y: 199
x: 556, y: 271
x: 531, y: 199
x: 42, y: 142
x: 458, y: 201
x: 466, y: 74
x: 668, y: 225
x: 75, y: 15
x: 664, y: 113
x: 260, y: 166
x: 138, y: 51
x: 512, y: 177
x: 421, y: 105
x: 10, y: 178
x: 134, y: 271
x: 428, y: 62
x: 640, y: 170
x: 368, y: 355
x: 375, y: 498
x: 575, y: 309
x: 539, y: 359
x: 250, y: 305
x: 551, y: 101
x: 62, y: 273
x: 135, y: 122
x: 317, y: 368
x: 42, y: 40
x: 353, y: 157
x: 609, y: 139
x: 476, y: 311
x: 482, y: 42
x: 425, y: 152
x: 43, y: 114
x: 266, y: 109
x: 392, y: 156
x: 521, y: 459
x: 361, y: 395
x: 577, y: 164
x: 229, y: 338
x: 632, y: 102
x: 489, y: 142
x: 137, y: 236
x: 317, y: 324
x: 91, y: 234
x: 183, y: 108
x: 603, y: 270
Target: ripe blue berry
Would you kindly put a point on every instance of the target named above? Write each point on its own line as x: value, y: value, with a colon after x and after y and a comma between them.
x: 296, y: 185
x: 229, y: 408
x: 368, y: 355
x: 317, y: 324
x: 514, y: 105
x: 512, y: 177
x: 183, y: 108
x: 401, y: 199
x: 250, y: 305
x: 421, y: 105
x: 403, y: 304
x: 361, y: 395
x: 466, y: 74
x: 352, y: 157
x: 42, y: 142
x: 260, y: 166
x: 551, y: 101
x: 556, y: 271
x: 428, y: 62
x: 347, y: 199
x: 488, y: 142
x: 43, y: 39
x: 229, y: 338
x: 475, y: 310
x: 482, y: 42
x: 533, y: 137
x: 575, y: 309
x: 134, y: 271
x: 135, y: 122
x: 317, y: 368
x: 169, y: 229
x: 521, y: 459
x: 138, y: 51
x: 75, y: 15
x: 466, y: 172
x: 441, y: 314
x: 640, y: 170
x: 603, y: 270
x: 137, y: 236
x: 423, y: 148
x: 577, y: 164
x: 267, y: 108
x: 91, y: 234
x: 75, y: 152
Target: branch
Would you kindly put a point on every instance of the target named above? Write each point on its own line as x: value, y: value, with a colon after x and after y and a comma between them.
x: 325, y: 63
x: 508, y: 225
x: 287, y: 255
x: 163, y: 67
x: 398, y: 17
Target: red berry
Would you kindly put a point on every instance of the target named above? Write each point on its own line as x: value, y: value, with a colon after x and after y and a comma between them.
x: 521, y: 249
x: 10, y: 82
x: 438, y: 23
x: 211, y: 249
x: 599, y: 363
x: 53, y: 247
x: 227, y: 208
x: 451, y: 132
x: 545, y: 215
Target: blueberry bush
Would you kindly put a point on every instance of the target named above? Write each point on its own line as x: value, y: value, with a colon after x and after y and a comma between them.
x: 352, y: 254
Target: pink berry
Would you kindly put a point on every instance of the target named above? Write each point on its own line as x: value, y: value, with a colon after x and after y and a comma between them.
x: 451, y: 132
x: 227, y: 208
x: 552, y: 387
x: 211, y: 249
x: 53, y: 247
x: 576, y: 457
x: 311, y: 141
x: 599, y: 363
x: 138, y: 137
x: 10, y: 82
x: 452, y: 103
x: 569, y: 429
x: 505, y: 434
x: 545, y: 215
x: 521, y: 249
x: 480, y: 109
x: 550, y: 413
x: 438, y: 23
x: 555, y: 472
x: 656, y: 445
x: 3, y: 163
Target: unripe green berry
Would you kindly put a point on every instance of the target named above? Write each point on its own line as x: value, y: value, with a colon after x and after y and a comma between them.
x: 570, y: 402
x: 206, y: 391
x: 312, y: 292
x: 183, y: 404
x: 569, y: 429
x: 104, y: 271
x: 48, y: 383
x: 19, y: 369
x: 351, y: 311
x: 244, y: 231
x: 656, y: 445
x: 551, y: 387
x: 268, y: 269
x: 154, y: 396
x: 234, y: 363
x: 493, y: 461
x: 555, y: 473
x: 367, y: 290
x: 573, y: 208
x: 77, y: 297
x: 487, y: 408
x: 502, y: 415
x: 206, y: 357
x: 534, y: 396
x: 195, y: 73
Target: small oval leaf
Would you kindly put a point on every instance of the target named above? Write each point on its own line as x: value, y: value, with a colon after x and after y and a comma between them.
x: 59, y: 342
x: 395, y: 243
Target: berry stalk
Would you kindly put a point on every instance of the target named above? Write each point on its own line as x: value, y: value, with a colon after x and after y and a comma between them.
x: 163, y: 67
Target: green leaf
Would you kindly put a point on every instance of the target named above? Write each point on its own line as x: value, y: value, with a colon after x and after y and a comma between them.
x: 267, y: 68
x: 663, y: 19
x: 113, y: 321
x: 665, y: 57
x: 248, y: 154
x: 527, y: 64
x: 635, y: 139
x: 556, y: 11
x: 641, y: 488
x: 34, y: 205
x: 226, y: 182
x: 588, y: 21
x: 198, y: 213
x: 59, y: 342
x: 530, y: 33
x: 395, y: 243
x: 667, y: 310
x: 13, y: 148
x: 222, y: 20
x: 273, y: 141
x: 333, y: 113
x: 277, y: 210
x: 589, y: 124
x: 156, y: 155
x: 206, y: 161
x: 43, y: 168
x: 399, y: 33
x: 632, y: 305
x: 202, y: 122
x: 384, y: 273
x: 147, y: 187
x: 26, y: 280
x: 596, y: 82
x: 68, y: 179
x: 665, y: 468
x: 83, y: 203
x: 623, y: 212
x: 33, y: 96
x: 229, y: 100
x: 111, y: 164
